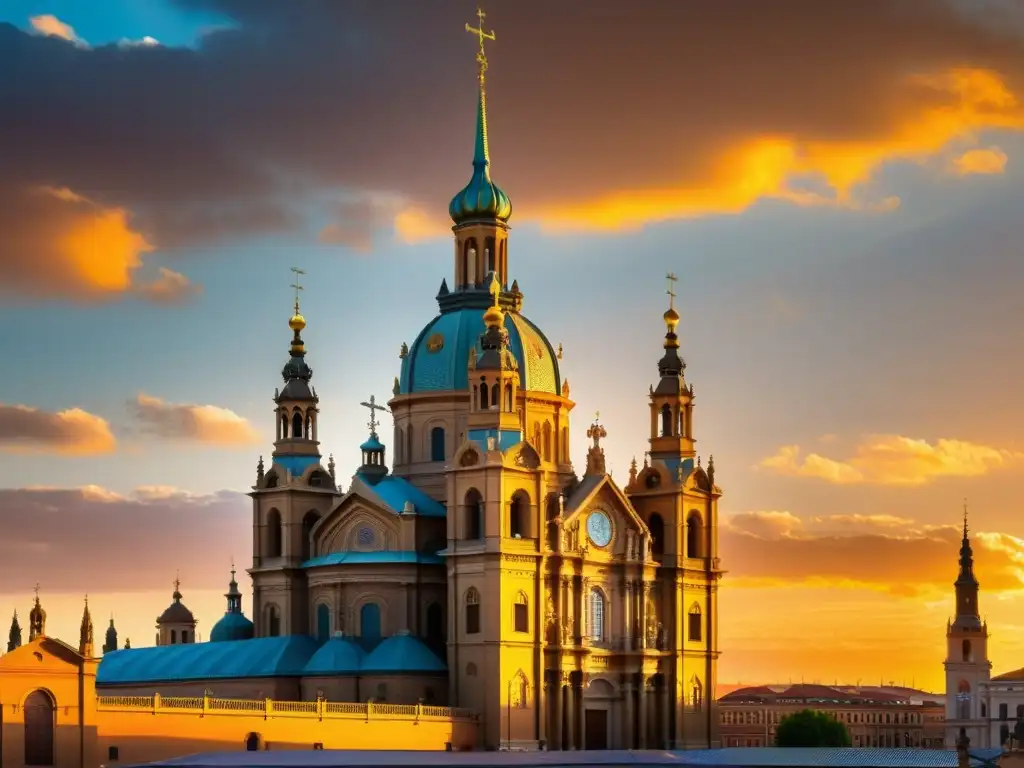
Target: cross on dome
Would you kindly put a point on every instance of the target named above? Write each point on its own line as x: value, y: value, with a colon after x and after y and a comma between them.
x: 372, y: 405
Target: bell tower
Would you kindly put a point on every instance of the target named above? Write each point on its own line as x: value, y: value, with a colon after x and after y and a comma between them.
x: 290, y: 497
x: 967, y: 665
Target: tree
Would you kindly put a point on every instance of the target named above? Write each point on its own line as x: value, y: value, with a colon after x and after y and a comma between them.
x: 809, y: 728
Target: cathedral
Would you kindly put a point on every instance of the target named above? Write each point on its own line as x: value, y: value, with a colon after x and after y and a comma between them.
x: 474, y: 567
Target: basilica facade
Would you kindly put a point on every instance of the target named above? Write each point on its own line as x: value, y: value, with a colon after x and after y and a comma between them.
x: 476, y: 566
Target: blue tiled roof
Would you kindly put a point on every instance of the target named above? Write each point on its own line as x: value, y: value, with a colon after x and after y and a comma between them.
x: 402, y: 653
x: 372, y: 444
x: 231, y: 626
x: 357, y: 558
x: 395, y: 491
x: 446, y: 368
x: 338, y: 656
x: 260, y: 657
x: 848, y: 757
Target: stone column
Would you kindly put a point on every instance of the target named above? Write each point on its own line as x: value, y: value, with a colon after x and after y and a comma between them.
x: 629, y: 729
x: 627, y: 615
x: 642, y: 725
x: 578, y: 628
x: 665, y: 710
x: 644, y: 593
x: 585, y: 617
x: 570, y: 714
x: 558, y: 695
x: 581, y: 725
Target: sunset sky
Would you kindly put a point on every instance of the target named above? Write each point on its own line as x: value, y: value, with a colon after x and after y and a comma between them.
x: 838, y: 187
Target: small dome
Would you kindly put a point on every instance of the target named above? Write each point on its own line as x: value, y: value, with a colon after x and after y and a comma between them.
x: 176, y: 613
x: 338, y: 656
x: 372, y: 444
x: 232, y: 626
x: 400, y: 654
x: 671, y: 319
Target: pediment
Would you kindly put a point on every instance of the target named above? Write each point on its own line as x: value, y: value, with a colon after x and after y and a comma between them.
x: 600, y: 493
x: 356, y: 524
x: 47, y: 653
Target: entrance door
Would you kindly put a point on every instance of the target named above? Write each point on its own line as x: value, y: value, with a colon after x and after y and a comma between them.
x: 597, y: 728
x: 39, y: 726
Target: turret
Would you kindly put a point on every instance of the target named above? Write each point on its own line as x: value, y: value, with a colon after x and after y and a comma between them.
x: 374, y: 467
x: 110, y: 639
x: 176, y: 625
x: 233, y: 625
x: 36, y: 619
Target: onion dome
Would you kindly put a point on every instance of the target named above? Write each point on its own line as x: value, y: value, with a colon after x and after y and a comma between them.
x: 481, y: 199
x: 296, y: 367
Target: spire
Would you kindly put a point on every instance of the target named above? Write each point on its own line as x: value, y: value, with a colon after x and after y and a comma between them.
x: 85, y: 636
x: 595, y: 454
x: 233, y: 595
x: 966, y: 585
x: 671, y: 364
x: 14, y: 638
x: 177, y: 588
x: 110, y: 639
x: 481, y: 199
x: 296, y: 367
x: 36, y: 619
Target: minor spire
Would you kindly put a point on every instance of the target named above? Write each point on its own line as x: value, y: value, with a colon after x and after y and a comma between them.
x: 494, y: 317
x: 595, y: 454
x: 36, y: 619
x: 177, y: 587
x: 671, y: 365
x: 85, y: 637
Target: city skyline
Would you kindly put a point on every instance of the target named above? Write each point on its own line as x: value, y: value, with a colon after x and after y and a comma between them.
x: 844, y: 236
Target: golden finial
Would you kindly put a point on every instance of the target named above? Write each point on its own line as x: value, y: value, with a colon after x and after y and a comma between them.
x: 482, y: 36
x: 671, y: 316
x: 298, y: 322
x: 494, y: 317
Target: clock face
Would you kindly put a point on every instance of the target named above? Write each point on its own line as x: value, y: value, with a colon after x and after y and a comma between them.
x: 599, y: 528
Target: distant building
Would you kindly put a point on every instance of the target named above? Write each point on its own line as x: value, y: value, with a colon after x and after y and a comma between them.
x: 875, y: 717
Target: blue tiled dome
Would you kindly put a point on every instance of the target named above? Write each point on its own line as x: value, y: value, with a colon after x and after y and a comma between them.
x: 438, y: 358
x: 232, y: 626
x: 400, y: 654
x: 338, y: 656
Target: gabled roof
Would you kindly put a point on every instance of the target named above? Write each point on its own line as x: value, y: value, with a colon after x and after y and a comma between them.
x: 588, y: 489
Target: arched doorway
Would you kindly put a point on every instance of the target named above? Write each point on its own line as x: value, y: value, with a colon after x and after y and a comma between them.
x: 252, y: 742
x: 39, y: 728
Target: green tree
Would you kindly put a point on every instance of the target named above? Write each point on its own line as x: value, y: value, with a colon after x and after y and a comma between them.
x: 809, y: 728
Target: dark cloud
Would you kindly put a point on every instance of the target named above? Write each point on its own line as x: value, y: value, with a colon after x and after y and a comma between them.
x: 91, y: 539
x: 614, y: 116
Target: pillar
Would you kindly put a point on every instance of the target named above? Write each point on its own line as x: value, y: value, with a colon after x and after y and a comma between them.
x: 644, y: 592
x: 558, y: 696
x: 629, y: 728
x: 665, y: 709
x: 642, y: 724
x: 581, y: 730
x: 627, y: 615
x: 570, y: 715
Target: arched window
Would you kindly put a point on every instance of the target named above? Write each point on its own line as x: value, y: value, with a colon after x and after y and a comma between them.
x: 694, y: 537
x: 174, y: 636
x: 297, y: 424
x: 596, y: 615
x: 472, y: 611
x: 1004, y: 711
x: 323, y: 623
x: 484, y: 396
x: 963, y: 701
x: 521, y: 613
x: 474, y: 507
x: 666, y: 421
x: 492, y: 261
x: 271, y: 480
x: 184, y: 636
x: 547, y: 440
x: 682, y: 422
x: 518, y: 516
x: 39, y: 712
x: 274, y: 538
x: 468, y: 268
x: 283, y: 432
x: 565, y: 445
x: 1020, y: 711
x: 273, y: 621
x: 657, y: 528
x: 369, y: 620
x: 311, y: 518
x: 508, y: 398
x: 437, y: 444
x: 694, y: 624
x: 965, y: 650
x: 252, y: 742
x: 495, y: 397
x: 435, y: 626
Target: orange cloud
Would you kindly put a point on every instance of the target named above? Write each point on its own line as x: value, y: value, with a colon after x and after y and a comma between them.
x: 51, y: 26
x: 877, y: 552
x: 415, y: 225
x: 72, y: 432
x: 207, y: 424
x: 894, y: 460
x: 989, y: 160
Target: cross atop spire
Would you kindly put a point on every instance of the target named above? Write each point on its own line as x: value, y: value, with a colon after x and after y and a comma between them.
x: 965, y: 517
x: 37, y: 591
x: 372, y: 405
x: 671, y: 291
x: 297, y: 285
x: 482, y: 36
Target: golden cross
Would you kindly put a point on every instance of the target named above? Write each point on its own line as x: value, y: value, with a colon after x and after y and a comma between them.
x: 297, y: 285
x: 482, y: 36
x: 671, y: 278
x: 372, y: 405
x: 177, y: 582
x: 597, y: 416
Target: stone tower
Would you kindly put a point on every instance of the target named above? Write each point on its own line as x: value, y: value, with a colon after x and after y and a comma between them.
x: 289, y: 498
x: 967, y: 666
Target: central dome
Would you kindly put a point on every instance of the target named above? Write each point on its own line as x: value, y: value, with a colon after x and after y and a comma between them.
x: 439, y: 357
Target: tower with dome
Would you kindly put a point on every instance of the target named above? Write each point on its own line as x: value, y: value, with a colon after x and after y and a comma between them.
x: 475, y: 566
